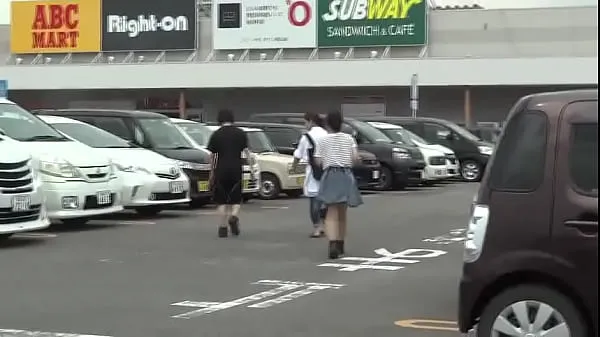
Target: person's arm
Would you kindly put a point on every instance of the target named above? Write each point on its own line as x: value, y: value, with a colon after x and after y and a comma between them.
x: 355, y: 155
x: 299, y: 152
x: 212, y: 147
x: 319, y: 153
x: 244, y: 146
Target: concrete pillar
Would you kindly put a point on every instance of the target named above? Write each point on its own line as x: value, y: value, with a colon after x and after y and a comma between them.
x: 468, y: 113
x: 182, y: 112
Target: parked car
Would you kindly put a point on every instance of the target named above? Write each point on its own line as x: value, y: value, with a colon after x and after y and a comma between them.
x: 154, y: 132
x: 150, y: 180
x: 199, y: 134
x: 472, y: 152
x: 21, y: 195
x: 437, y: 165
x: 400, y: 164
x: 531, y: 254
x: 285, y: 137
x: 77, y: 183
x: 488, y: 133
x: 276, y: 174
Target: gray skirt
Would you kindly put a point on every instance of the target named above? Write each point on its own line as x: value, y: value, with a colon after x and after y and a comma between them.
x: 338, y: 186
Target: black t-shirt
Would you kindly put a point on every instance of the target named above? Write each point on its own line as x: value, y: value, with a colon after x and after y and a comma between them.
x: 227, y: 143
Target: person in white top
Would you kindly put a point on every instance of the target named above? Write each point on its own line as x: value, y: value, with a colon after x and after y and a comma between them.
x: 336, y: 153
x: 314, y: 125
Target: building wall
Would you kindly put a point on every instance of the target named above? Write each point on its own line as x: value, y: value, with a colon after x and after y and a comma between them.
x: 537, y: 32
x: 488, y: 103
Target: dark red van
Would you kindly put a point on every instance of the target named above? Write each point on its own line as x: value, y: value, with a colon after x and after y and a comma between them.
x: 531, y: 255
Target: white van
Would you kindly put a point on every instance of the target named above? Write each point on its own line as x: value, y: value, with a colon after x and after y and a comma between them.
x: 22, y: 206
x: 150, y: 180
x: 77, y: 183
x: 441, y: 161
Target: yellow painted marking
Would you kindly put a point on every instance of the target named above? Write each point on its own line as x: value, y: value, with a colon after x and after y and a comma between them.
x: 427, y: 324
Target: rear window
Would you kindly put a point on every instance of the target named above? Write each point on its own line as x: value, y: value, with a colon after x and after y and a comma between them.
x: 519, y: 160
x: 583, y: 157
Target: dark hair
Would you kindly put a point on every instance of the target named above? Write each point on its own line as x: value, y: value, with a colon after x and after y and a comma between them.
x: 225, y: 116
x: 334, y: 120
x: 311, y: 116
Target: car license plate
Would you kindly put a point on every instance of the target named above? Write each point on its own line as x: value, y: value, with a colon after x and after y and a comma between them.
x: 21, y: 203
x: 375, y: 174
x: 438, y: 172
x: 203, y: 186
x: 246, y: 184
x: 300, y: 180
x: 176, y: 186
x: 103, y: 197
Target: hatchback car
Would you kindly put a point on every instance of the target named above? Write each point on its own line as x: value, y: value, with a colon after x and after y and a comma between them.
x: 531, y: 251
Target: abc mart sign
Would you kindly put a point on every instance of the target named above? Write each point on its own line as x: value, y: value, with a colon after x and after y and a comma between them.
x: 260, y: 24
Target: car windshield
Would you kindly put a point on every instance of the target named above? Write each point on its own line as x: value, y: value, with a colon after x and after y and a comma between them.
x: 92, y: 136
x: 19, y: 124
x: 371, y: 133
x: 414, y: 137
x: 198, y: 132
x: 164, y: 134
x: 258, y: 142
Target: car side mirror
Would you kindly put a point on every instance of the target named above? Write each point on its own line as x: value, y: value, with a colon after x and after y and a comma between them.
x: 295, y: 144
x: 450, y: 136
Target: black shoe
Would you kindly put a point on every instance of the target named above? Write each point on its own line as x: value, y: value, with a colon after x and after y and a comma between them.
x: 340, y: 247
x: 222, y: 232
x: 333, y: 250
x: 234, y: 224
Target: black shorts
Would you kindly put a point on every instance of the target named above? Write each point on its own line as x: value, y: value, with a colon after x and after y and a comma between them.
x: 228, y: 189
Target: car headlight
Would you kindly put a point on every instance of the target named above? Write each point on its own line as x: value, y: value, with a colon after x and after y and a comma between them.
x: 476, y: 232
x: 193, y: 166
x: 398, y: 153
x: 59, y: 169
x: 486, y: 150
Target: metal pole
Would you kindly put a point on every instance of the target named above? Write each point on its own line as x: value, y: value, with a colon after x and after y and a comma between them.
x: 414, y: 95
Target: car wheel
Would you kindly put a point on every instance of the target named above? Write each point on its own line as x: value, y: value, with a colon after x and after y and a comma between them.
x: 199, y: 202
x: 386, y: 179
x: 294, y: 193
x: 471, y: 171
x: 75, y: 221
x: 531, y: 310
x: 148, y: 210
x: 269, y: 186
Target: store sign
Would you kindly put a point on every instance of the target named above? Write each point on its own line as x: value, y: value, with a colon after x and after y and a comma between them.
x: 62, y: 26
x: 356, y: 23
x: 148, y: 25
x: 264, y: 24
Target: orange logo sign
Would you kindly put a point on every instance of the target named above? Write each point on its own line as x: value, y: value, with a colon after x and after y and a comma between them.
x: 61, y: 26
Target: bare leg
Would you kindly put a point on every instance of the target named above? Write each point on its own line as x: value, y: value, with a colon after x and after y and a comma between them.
x: 331, y: 223
x: 222, y: 211
x: 234, y: 221
x: 235, y: 209
x: 343, y: 216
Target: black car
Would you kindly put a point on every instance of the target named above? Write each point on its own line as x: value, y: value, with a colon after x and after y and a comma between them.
x: 401, y: 164
x: 154, y: 132
x: 472, y: 152
x: 285, y: 137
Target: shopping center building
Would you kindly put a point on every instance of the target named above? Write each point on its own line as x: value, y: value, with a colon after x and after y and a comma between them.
x: 472, y: 63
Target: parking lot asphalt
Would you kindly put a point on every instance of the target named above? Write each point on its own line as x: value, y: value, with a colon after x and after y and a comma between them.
x: 170, y: 276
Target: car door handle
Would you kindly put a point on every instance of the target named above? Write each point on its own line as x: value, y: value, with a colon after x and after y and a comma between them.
x: 584, y: 226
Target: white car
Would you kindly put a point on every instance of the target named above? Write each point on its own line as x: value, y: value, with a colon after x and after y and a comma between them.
x: 198, y: 134
x: 77, y: 183
x: 149, y: 179
x: 22, y: 206
x: 441, y: 162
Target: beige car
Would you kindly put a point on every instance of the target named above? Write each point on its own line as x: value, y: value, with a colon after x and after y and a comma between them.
x: 276, y: 176
x: 198, y: 134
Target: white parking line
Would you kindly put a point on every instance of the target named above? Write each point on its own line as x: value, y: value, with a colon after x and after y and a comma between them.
x: 36, y: 235
x: 135, y: 223
x: 27, y: 333
x: 274, y: 207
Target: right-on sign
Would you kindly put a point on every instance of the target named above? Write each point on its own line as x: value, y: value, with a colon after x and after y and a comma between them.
x: 148, y: 25
x: 264, y: 24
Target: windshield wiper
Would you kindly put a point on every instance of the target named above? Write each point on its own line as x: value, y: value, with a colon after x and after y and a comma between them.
x: 44, y: 138
x: 180, y: 148
x: 118, y: 147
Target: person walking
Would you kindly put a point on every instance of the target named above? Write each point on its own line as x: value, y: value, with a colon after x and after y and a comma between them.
x: 226, y: 146
x: 337, y: 153
x: 305, y: 153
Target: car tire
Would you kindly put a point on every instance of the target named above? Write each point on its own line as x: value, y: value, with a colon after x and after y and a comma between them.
x: 75, y: 221
x: 270, y: 188
x: 294, y: 193
x: 148, y: 210
x: 199, y: 202
x: 535, y: 295
x: 471, y: 170
x: 386, y: 179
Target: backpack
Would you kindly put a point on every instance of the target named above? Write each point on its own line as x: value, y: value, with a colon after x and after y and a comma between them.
x: 317, y: 170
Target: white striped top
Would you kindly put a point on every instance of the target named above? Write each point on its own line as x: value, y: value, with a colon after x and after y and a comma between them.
x: 336, y: 149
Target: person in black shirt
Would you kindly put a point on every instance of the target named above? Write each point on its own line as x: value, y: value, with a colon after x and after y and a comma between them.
x: 227, y: 145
